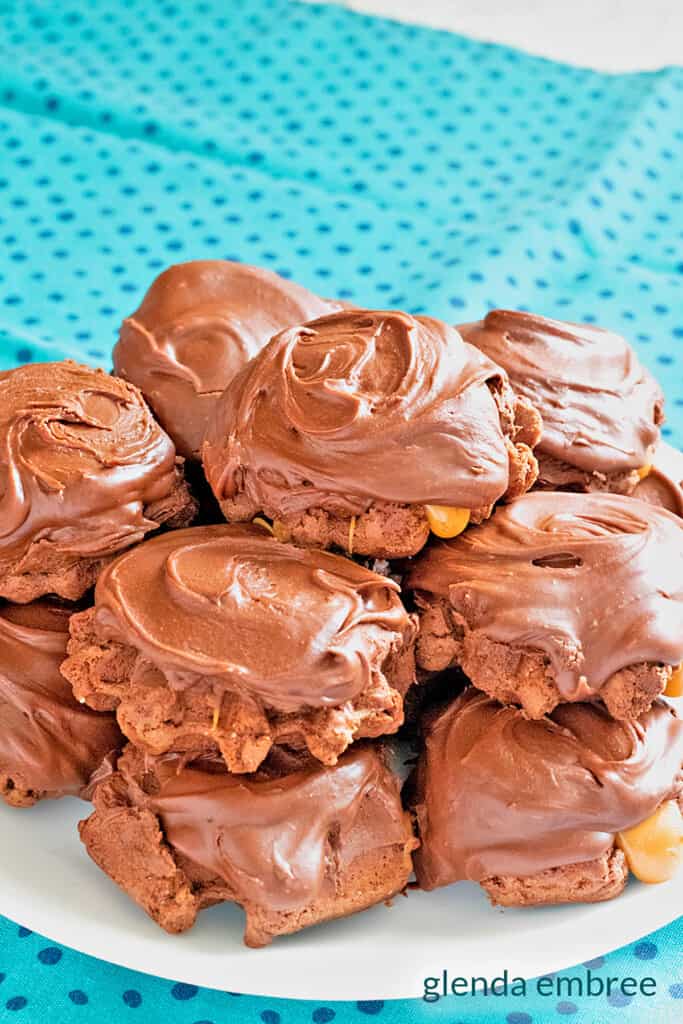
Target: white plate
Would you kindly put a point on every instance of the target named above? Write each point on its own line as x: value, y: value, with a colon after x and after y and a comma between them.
x: 49, y: 884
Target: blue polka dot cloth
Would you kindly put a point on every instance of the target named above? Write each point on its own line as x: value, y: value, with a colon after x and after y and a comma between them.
x: 381, y: 163
x: 41, y: 981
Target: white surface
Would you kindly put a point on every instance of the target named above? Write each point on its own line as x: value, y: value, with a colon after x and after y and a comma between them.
x: 610, y: 35
x: 48, y: 883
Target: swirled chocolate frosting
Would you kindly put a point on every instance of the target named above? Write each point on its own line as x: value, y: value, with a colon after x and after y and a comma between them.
x: 48, y: 741
x: 196, y: 327
x: 295, y: 628
x: 595, y: 581
x: 663, y: 485
x: 271, y: 839
x: 80, y: 457
x: 360, y: 407
x: 601, y: 409
x: 498, y: 794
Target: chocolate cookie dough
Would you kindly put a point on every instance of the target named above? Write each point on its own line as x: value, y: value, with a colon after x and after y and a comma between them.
x: 84, y: 472
x: 49, y: 744
x: 558, y: 597
x: 222, y: 638
x: 362, y: 429
x: 292, y: 849
x: 198, y: 324
x: 549, y: 811
x: 600, y: 407
x: 662, y: 482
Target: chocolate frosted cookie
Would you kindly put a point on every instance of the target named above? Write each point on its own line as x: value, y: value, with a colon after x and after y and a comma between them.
x: 363, y: 429
x: 662, y: 483
x: 600, y: 407
x: 558, y: 597
x: 196, y: 327
x: 179, y: 837
x: 84, y: 472
x: 49, y: 744
x: 549, y: 811
x: 222, y: 638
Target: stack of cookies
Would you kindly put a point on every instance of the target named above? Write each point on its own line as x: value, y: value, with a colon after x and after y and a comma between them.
x: 285, y: 532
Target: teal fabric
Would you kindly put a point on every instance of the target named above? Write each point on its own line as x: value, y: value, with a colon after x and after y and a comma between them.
x: 46, y: 982
x: 374, y: 161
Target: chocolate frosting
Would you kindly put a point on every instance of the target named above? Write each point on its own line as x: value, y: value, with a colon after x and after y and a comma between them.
x: 80, y: 457
x: 498, y: 794
x: 273, y: 840
x: 196, y: 327
x: 360, y: 407
x: 663, y: 486
x: 600, y: 406
x: 595, y: 581
x: 232, y: 606
x: 52, y: 743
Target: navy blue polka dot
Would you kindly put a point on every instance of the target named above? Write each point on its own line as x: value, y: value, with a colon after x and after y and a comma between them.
x: 322, y: 1015
x: 50, y: 956
x: 78, y: 997
x: 371, y: 1006
x: 619, y: 1000
x: 132, y: 998
x: 183, y: 992
x: 16, y: 1003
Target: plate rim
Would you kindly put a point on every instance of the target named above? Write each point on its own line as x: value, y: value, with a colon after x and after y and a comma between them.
x: 636, y: 913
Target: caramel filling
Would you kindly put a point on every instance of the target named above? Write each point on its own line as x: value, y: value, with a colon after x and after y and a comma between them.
x: 446, y: 521
x: 352, y: 531
x: 654, y: 848
x: 260, y: 521
x: 674, y: 688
